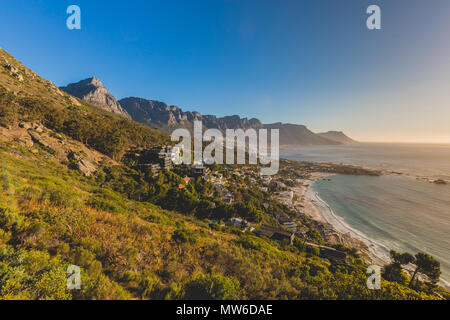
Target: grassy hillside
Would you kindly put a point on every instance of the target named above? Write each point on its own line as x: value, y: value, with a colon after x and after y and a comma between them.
x: 24, y: 96
x: 135, y: 236
x: 51, y: 216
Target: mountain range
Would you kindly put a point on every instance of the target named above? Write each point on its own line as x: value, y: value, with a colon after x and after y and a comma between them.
x: 161, y: 116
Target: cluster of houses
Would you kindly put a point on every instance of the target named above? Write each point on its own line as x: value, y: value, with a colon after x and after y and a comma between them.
x: 225, y: 195
x: 330, y: 234
x: 238, y: 223
x: 276, y: 233
x: 286, y: 197
x: 219, y: 183
x: 286, y: 221
x: 154, y: 158
x: 161, y: 157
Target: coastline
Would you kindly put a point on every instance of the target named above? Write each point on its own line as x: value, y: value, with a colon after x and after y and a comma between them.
x: 313, y: 206
x: 306, y: 205
x: 335, y: 228
x: 376, y: 253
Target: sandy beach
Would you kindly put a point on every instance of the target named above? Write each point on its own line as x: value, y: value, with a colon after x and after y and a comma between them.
x: 335, y: 229
x: 305, y: 202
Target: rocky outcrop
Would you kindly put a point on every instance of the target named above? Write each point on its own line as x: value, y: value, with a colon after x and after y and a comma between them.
x: 158, y: 114
x: 14, y: 72
x: 74, y: 101
x: 92, y: 90
x: 83, y: 165
x: 38, y: 139
x: 37, y: 126
x: 86, y: 167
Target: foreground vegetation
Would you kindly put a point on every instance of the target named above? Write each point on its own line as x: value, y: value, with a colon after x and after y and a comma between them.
x: 52, y: 217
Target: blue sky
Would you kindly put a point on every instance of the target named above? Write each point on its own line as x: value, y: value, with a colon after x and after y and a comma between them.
x: 310, y: 62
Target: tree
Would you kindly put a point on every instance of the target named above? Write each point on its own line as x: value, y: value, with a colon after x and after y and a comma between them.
x: 402, y: 258
x: 393, y: 271
x: 426, y: 265
x: 314, y: 235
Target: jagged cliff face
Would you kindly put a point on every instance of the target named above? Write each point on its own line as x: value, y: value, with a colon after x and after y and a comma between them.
x: 231, y: 122
x: 159, y: 115
x: 92, y: 90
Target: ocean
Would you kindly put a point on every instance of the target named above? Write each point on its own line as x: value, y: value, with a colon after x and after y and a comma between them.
x: 401, y: 212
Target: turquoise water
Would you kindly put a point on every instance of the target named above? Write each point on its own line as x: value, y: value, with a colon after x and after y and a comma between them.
x: 396, y: 212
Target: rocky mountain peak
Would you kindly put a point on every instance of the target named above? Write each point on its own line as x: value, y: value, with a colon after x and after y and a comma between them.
x: 92, y: 90
x: 95, y: 81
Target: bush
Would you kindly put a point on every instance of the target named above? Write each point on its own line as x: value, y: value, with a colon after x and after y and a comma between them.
x: 159, y: 219
x: 107, y: 200
x: 394, y: 273
x: 251, y: 242
x: 215, y: 226
x: 212, y: 287
x: 59, y: 196
x: 184, y: 236
x: 313, y: 250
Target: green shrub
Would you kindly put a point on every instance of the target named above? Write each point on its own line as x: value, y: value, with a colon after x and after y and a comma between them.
x: 212, y: 287
x: 215, y: 226
x: 184, y: 236
x: 107, y: 200
x: 313, y: 250
x: 160, y: 219
x: 251, y: 242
